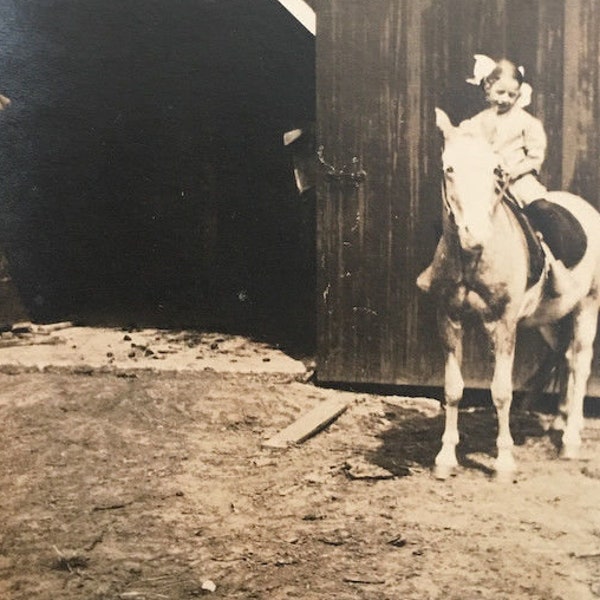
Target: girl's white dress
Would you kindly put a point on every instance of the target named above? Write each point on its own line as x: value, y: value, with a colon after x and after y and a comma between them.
x: 519, y: 140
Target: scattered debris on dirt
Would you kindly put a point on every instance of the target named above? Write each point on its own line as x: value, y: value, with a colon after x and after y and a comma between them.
x: 62, y: 345
x: 361, y: 469
x: 209, y: 586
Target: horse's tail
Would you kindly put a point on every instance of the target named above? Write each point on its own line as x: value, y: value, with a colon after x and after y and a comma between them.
x: 550, y: 376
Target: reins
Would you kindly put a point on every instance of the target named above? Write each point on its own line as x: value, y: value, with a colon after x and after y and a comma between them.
x: 501, y: 187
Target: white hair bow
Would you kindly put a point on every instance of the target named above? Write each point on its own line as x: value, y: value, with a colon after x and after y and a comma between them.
x: 525, y: 97
x: 484, y: 65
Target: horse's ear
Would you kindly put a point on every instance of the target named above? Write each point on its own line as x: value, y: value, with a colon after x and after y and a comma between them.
x: 442, y: 120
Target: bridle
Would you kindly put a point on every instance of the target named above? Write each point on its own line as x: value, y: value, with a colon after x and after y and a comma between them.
x: 500, y: 187
x: 502, y: 183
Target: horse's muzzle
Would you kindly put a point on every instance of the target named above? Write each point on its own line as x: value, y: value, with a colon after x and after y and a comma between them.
x: 468, y: 242
x: 472, y: 248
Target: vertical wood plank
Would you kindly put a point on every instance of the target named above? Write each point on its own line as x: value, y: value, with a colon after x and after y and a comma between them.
x: 581, y: 150
x: 570, y: 131
x: 547, y: 76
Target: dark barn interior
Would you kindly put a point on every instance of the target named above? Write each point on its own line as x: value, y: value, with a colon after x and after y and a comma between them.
x: 144, y: 178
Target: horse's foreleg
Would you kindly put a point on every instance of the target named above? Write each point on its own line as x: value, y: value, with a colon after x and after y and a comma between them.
x: 503, y: 340
x: 451, y: 334
x: 579, y: 359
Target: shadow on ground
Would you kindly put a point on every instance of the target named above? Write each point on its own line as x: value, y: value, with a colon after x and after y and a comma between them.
x: 414, y: 438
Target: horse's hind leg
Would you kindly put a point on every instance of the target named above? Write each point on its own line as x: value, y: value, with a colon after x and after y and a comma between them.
x: 503, y: 337
x: 451, y: 334
x: 579, y: 360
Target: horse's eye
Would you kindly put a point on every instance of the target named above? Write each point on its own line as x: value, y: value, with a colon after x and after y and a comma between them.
x: 449, y: 170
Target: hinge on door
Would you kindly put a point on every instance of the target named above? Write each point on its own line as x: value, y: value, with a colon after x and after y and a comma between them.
x: 350, y: 175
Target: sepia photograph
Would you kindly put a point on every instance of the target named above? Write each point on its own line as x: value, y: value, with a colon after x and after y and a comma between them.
x: 299, y: 299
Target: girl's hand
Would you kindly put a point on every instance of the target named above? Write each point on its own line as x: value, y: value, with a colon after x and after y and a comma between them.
x: 4, y: 102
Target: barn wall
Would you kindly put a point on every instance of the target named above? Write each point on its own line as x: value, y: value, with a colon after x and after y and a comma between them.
x: 378, y: 81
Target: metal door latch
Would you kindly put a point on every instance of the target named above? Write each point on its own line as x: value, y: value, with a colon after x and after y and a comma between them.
x: 351, y: 175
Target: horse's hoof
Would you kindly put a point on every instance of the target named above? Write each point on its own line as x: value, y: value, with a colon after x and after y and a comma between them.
x: 504, y: 476
x: 443, y: 472
x: 569, y: 452
x: 505, y: 463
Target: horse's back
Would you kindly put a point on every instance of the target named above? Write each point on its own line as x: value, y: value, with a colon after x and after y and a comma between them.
x: 583, y: 211
x: 585, y: 274
x: 589, y: 219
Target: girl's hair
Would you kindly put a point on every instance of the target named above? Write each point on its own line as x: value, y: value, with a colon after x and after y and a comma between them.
x: 503, y: 68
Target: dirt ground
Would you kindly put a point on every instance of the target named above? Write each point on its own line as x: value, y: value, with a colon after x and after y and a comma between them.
x: 152, y: 485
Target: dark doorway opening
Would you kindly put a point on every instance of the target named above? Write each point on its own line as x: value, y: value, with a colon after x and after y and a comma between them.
x: 144, y: 177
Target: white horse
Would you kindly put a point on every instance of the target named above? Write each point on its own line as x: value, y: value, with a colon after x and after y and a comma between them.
x: 484, y: 269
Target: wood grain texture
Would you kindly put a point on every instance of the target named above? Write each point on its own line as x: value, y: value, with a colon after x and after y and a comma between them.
x: 308, y: 424
x: 378, y: 81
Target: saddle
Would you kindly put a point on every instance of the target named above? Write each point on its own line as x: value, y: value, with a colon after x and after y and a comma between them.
x: 560, y: 230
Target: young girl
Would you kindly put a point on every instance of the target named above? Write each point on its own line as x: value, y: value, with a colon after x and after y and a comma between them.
x: 517, y: 137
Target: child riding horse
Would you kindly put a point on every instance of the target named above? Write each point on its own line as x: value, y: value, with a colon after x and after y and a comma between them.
x: 483, y: 267
x: 519, y: 141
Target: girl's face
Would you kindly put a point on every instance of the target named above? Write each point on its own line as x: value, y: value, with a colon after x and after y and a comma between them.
x: 503, y: 94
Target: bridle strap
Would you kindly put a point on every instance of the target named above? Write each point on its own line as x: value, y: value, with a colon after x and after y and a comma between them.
x: 501, y: 189
x: 445, y: 201
x: 502, y: 185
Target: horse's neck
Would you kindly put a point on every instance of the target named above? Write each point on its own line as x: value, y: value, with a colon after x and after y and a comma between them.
x: 505, y: 249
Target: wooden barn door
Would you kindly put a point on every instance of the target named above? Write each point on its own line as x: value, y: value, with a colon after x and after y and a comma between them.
x: 382, y: 67
x: 370, y: 105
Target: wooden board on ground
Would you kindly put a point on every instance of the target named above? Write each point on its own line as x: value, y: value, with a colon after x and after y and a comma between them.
x: 51, y: 327
x: 308, y: 424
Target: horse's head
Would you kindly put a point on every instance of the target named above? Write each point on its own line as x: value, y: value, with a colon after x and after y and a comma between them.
x: 470, y: 179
